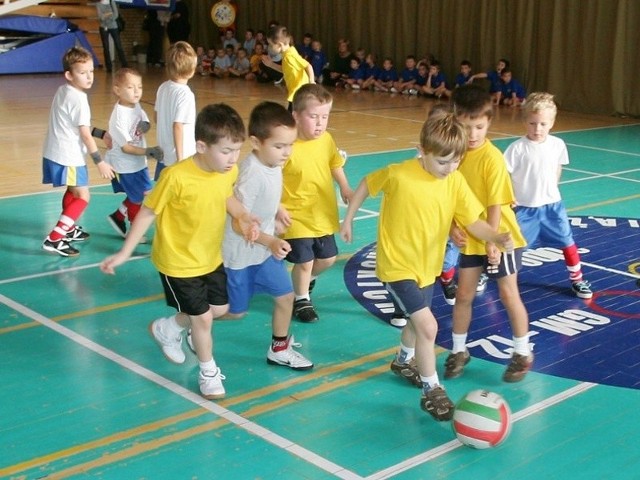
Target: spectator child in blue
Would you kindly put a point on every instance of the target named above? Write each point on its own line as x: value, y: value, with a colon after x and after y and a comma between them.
x: 495, y: 88
x: 318, y: 60
x: 464, y: 76
x: 436, y: 84
x: 513, y: 93
x: 304, y: 49
x: 386, y: 77
x: 356, y: 75
x: 408, y: 76
x: 371, y: 71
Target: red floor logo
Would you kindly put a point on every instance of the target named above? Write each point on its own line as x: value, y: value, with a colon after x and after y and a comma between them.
x: 593, y: 340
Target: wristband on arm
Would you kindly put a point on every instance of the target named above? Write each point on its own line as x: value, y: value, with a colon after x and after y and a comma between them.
x: 98, y: 133
x: 95, y: 156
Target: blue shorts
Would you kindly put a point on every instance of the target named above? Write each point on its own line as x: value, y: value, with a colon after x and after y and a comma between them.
x: 159, y: 167
x: 510, y: 263
x: 270, y: 277
x: 61, y: 175
x: 194, y: 295
x: 135, y: 185
x: 304, y: 250
x: 451, y: 256
x: 548, y: 224
x: 409, y: 296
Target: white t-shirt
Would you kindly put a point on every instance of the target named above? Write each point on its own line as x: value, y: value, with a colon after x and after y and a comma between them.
x: 69, y: 111
x: 122, y: 128
x: 259, y: 188
x: 175, y: 102
x: 534, y: 170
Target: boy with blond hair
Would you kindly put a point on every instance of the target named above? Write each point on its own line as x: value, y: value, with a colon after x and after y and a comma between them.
x: 421, y: 198
x: 69, y: 139
x: 127, y: 126
x: 484, y: 169
x: 176, y: 107
x: 535, y: 164
x: 309, y: 209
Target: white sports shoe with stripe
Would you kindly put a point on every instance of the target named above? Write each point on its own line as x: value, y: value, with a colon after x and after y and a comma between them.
x: 289, y: 357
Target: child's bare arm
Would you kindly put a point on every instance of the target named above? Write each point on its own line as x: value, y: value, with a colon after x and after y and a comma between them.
x: 106, y: 171
x: 341, y: 179
x: 178, y: 135
x: 358, y: 197
x: 154, y: 152
x: 248, y: 223
x: 140, y: 225
x: 310, y: 74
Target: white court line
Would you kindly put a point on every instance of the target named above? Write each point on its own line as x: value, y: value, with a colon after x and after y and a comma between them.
x: 61, y: 271
x: 600, y: 149
x: 611, y: 270
x: 454, y: 444
x: 251, y: 427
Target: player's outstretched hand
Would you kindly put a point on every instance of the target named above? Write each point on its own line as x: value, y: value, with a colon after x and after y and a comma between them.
x: 109, y: 264
x: 249, y: 225
x: 106, y: 170
x: 346, y: 232
x: 279, y: 248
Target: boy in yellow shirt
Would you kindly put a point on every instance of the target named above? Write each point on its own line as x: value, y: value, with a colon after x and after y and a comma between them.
x: 309, y: 208
x: 295, y: 69
x: 422, y: 197
x: 485, y: 170
x: 189, y: 205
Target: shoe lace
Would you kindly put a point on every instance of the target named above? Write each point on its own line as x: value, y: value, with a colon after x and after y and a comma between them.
x: 437, y: 397
x: 218, y: 373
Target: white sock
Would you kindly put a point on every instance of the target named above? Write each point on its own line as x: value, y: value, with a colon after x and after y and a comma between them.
x: 209, y: 366
x: 521, y: 345
x: 459, y: 342
x: 405, y: 354
x: 429, y: 382
x: 303, y: 297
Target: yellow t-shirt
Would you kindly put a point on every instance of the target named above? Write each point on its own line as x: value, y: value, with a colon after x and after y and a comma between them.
x: 190, y: 205
x: 415, y: 217
x: 293, y: 70
x: 308, y: 190
x: 485, y: 170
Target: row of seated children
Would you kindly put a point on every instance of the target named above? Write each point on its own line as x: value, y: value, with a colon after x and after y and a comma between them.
x: 425, y: 77
x: 224, y: 62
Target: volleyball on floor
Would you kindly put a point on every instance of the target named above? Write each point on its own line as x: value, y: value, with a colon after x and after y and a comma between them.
x: 482, y: 419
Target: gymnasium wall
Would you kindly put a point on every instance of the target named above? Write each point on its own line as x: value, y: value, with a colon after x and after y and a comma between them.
x: 583, y: 51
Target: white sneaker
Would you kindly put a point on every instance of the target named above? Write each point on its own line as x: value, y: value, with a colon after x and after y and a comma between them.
x: 171, y: 345
x: 211, y: 386
x: 289, y: 357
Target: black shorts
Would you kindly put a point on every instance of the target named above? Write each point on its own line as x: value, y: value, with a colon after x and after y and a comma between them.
x: 194, y: 295
x: 409, y: 296
x: 304, y: 250
x: 510, y: 263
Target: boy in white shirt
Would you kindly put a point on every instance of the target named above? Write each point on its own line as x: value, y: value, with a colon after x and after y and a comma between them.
x: 176, y: 107
x: 69, y: 139
x: 127, y: 126
x: 535, y: 164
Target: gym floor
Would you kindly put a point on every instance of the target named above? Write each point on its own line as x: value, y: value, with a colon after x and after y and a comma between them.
x: 87, y: 393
